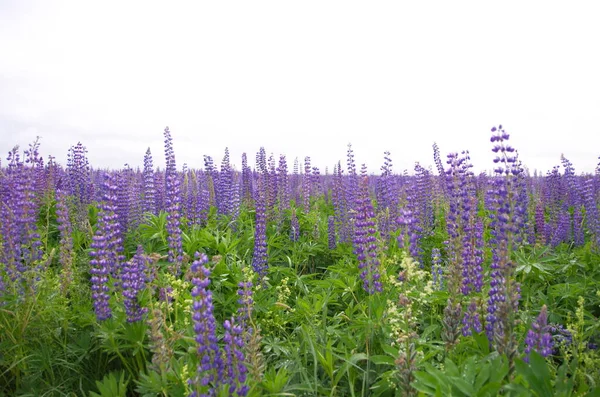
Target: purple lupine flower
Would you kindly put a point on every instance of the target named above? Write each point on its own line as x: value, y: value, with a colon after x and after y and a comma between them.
x: 504, y: 293
x: 578, y: 237
x: 10, y: 213
x: 573, y: 197
x: 66, y: 235
x: 225, y: 186
x: 437, y: 271
x: 340, y: 205
x: 294, y: 226
x: 365, y: 246
x: 172, y: 204
x: 36, y: 164
x: 259, y: 258
x: 235, y: 199
x: 271, y: 188
x: 247, y: 191
x: 133, y: 278
x: 316, y: 181
x: 521, y: 219
x: 591, y: 211
x: 210, y: 368
x: 136, y: 204
x: 351, y: 190
x: 202, y: 199
x: 78, y: 171
x: 246, y: 306
x: 306, y: 185
x: 149, y: 202
x: 424, y: 199
x: 540, y: 223
x: 105, y: 250
x: 331, y: 232
x: 473, y: 254
x: 211, y: 175
x: 563, y: 231
x: 159, y: 189
x: 539, y: 338
x: 440, y: 167
x: 408, y: 237
x: 295, y: 182
x: 388, y: 198
x: 283, y: 187
x: 471, y: 320
x: 233, y: 357
x: 21, y: 245
x: 123, y: 199
x: 464, y: 256
x: 560, y: 335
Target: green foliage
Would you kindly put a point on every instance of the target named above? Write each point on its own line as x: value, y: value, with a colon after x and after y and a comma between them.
x: 319, y: 332
x: 111, y: 386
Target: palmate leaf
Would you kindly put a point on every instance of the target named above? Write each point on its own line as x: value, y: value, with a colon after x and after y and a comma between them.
x: 111, y: 386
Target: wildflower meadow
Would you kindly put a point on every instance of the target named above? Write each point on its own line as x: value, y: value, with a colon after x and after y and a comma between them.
x: 282, y: 279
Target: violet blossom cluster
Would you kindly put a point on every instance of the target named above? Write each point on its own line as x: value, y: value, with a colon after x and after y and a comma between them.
x: 306, y: 185
x: 440, y: 167
x: 460, y: 224
x: 78, y: 171
x: 331, y: 232
x: 365, y: 242
x: 106, y: 245
x: 172, y: 203
x: 210, y: 368
x: 233, y: 352
x: 504, y: 293
x: 259, y: 257
x: 272, y: 187
x: 66, y: 235
x: 247, y: 190
x: 294, y: 226
x: 437, y: 272
x: 225, y: 206
x: 149, y: 192
x: 340, y: 204
x: 133, y: 283
x: 387, y: 198
x: 218, y: 368
x: 283, y: 187
x: 352, y: 189
x: 591, y: 211
x: 20, y: 246
x: 539, y: 338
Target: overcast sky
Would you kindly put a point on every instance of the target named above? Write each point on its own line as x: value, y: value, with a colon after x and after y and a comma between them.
x: 302, y: 78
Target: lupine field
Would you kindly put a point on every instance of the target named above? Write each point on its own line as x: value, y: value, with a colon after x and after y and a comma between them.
x: 280, y: 279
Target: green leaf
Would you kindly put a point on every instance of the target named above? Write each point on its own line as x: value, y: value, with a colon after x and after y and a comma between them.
x: 463, y: 386
x: 382, y: 359
x: 451, y: 368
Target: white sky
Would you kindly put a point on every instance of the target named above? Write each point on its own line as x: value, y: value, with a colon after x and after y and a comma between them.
x: 302, y: 78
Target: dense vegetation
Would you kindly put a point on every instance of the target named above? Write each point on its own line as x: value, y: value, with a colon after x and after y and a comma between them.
x: 268, y: 282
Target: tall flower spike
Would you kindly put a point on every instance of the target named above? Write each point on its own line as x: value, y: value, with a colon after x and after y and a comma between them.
x: 539, y: 338
x: 365, y: 242
x: 210, y: 367
x: 66, y: 238
x: 259, y: 258
x: 105, y: 246
x: 331, y: 232
x: 504, y: 293
x: 173, y: 204
x: 149, y: 192
x: 233, y: 357
x: 134, y: 283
